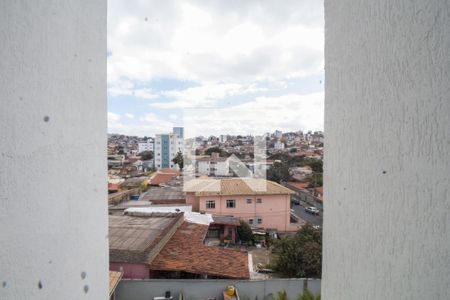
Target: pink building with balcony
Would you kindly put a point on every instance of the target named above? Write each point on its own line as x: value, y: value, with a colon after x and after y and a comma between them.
x: 259, y: 202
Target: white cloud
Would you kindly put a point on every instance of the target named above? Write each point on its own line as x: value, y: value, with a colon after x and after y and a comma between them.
x: 206, y: 95
x: 211, y: 41
x: 228, y: 48
x: 148, y: 124
x: 112, y: 117
x: 126, y: 87
x: 290, y: 112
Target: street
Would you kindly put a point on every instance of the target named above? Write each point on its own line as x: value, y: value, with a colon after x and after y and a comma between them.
x: 300, y: 211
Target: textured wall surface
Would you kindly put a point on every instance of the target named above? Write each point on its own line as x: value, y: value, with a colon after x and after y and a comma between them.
x: 387, y: 160
x: 53, y: 210
x: 212, y: 288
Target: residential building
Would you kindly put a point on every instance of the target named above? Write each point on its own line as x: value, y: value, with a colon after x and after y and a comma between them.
x: 164, y: 195
x: 278, y: 134
x: 279, y: 145
x: 147, y: 145
x: 128, y: 252
x: 116, y: 161
x: 223, y: 138
x: 163, y: 177
x: 166, y: 242
x: 259, y: 202
x: 186, y: 255
x: 213, y: 165
x: 223, y: 229
x: 259, y: 165
x: 167, y: 146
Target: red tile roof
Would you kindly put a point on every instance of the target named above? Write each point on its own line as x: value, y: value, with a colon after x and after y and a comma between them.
x: 186, y: 252
x: 299, y: 185
x: 113, y: 187
x: 161, y: 178
x: 169, y: 170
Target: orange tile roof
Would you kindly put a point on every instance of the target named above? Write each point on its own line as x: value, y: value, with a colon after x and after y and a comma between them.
x: 299, y: 185
x: 186, y: 252
x: 113, y: 187
x: 169, y: 171
x: 161, y: 178
x: 235, y: 186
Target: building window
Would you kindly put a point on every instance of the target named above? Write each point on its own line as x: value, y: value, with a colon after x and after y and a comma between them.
x: 259, y: 221
x: 231, y: 203
x: 250, y: 221
x: 259, y: 200
x: 211, y: 204
x: 249, y: 201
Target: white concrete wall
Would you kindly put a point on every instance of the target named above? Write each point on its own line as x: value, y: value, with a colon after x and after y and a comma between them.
x: 387, y: 160
x: 148, y: 146
x: 222, y: 168
x: 203, y: 167
x: 213, y: 288
x: 53, y: 213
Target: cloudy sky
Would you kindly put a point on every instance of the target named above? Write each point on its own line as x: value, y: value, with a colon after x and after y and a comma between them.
x: 215, y: 66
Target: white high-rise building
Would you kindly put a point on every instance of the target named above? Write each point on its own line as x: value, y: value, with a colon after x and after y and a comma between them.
x: 167, y: 146
x: 223, y: 138
x: 146, y: 146
x: 279, y: 145
x: 278, y: 134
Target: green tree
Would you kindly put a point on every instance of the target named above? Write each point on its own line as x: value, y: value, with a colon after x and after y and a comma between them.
x: 316, y: 180
x: 315, y: 164
x: 278, y: 172
x: 222, y: 153
x: 244, y: 231
x: 146, y: 155
x: 293, y: 150
x: 179, y: 160
x: 300, y: 255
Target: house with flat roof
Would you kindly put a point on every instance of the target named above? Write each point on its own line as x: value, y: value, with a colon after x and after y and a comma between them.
x: 261, y: 203
x: 135, y: 240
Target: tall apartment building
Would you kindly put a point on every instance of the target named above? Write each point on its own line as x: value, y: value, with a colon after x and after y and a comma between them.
x: 223, y: 138
x: 167, y: 146
x: 213, y: 165
x: 145, y: 145
x: 278, y: 134
x: 279, y: 145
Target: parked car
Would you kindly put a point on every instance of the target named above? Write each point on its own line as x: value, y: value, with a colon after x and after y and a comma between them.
x: 312, y: 210
x: 296, y: 201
